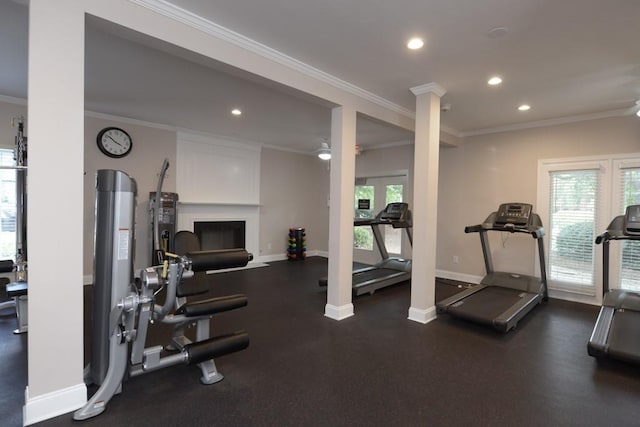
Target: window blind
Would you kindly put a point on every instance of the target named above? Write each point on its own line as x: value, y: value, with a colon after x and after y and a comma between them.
x: 629, y: 277
x: 573, y: 195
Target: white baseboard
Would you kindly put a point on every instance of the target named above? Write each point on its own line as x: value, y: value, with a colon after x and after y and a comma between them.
x: 283, y: 257
x: 338, y: 313
x: 271, y: 258
x: 52, y: 404
x: 460, y: 277
x: 422, y: 316
x: 573, y: 297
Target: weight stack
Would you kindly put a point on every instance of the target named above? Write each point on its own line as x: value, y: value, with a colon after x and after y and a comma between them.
x: 297, y: 249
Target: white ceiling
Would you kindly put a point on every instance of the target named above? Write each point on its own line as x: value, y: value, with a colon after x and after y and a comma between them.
x: 565, y: 58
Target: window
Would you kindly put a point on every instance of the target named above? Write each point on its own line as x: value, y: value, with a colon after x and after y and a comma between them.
x: 393, y: 236
x: 572, y: 226
x: 627, y: 275
x: 577, y: 199
x: 363, y: 236
x: 7, y: 206
x: 372, y: 194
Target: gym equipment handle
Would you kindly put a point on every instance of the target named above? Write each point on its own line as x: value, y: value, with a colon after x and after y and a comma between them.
x: 218, y: 259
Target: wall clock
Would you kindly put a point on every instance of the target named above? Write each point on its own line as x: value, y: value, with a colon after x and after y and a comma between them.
x: 114, y: 142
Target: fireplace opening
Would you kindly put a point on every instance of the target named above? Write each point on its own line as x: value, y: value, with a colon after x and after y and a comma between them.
x: 220, y: 234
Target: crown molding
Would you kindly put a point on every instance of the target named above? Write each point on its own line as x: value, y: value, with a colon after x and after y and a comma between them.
x: 451, y: 131
x: 13, y: 100
x: 208, y: 27
x: 432, y: 87
x: 129, y: 121
x: 549, y: 122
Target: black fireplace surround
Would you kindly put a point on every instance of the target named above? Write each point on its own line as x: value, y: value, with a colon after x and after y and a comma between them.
x: 220, y: 234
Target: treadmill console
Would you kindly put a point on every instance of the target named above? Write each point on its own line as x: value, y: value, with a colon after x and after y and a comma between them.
x: 518, y: 214
x: 632, y: 221
x: 395, y: 211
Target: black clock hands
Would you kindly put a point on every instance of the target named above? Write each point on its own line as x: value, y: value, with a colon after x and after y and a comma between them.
x: 108, y: 136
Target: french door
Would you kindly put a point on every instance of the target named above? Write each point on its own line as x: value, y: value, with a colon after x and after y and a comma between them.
x: 371, y: 196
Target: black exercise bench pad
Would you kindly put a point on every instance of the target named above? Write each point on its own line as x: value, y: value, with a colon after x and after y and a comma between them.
x: 6, y: 266
x: 17, y: 289
x: 197, y: 285
x: 212, y: 305
x: 217, y: 346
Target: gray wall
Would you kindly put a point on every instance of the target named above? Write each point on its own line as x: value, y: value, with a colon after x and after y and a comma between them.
x: 150, y: 147
x: 8, y: 133
x: 474, y: 178
x: 385, y: 160
x: 492, y: 169
x: 294, y: 189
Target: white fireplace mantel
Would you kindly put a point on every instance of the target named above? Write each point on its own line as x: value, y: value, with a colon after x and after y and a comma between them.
x: 219, y: 180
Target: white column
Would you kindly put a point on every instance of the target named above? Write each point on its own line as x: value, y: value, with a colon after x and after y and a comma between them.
x: 425, y: 201
x: 55, y: 209
x: 342, y: 180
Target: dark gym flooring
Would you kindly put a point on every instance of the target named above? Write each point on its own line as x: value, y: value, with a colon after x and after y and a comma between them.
x: 374, y: 369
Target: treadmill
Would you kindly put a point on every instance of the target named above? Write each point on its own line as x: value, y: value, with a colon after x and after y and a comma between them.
x: 617, y: 327
x: 502, y: 299
x: 389, y: 270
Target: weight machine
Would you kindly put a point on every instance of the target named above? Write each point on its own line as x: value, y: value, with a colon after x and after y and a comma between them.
x: 123, y: 307
x: 162, y: 219
x: 17, y: 290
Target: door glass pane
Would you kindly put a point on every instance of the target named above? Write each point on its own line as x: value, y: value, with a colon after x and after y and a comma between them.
x: 363, y: 236
x: 630, y: 260
x: 573, y: 216
x: 393, y: 236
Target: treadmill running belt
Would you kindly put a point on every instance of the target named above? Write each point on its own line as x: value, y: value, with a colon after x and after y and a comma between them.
x: 488, y: 304
x: 624, y: 337
x: 372, y: 274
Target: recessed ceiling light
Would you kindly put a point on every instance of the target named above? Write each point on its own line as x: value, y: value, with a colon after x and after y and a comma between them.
x: 236, y: 112
x: 524, y: 107
x: 415, y: 43
x: 493, y: 81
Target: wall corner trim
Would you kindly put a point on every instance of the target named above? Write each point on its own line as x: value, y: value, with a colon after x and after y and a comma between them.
x: 338, y: 313
x: 422, y: 316
x: 52, y: 404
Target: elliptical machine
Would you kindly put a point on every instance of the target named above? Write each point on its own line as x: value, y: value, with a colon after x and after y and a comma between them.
x: 123, y: 308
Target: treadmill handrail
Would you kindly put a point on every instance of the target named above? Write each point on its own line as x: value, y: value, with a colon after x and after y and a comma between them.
x: 536, y: 232
x: 534, y: 226
x: 615, y: 231
x: 360, y: 222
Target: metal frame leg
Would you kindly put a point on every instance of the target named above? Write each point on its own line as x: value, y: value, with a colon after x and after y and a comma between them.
x: 210, y: 374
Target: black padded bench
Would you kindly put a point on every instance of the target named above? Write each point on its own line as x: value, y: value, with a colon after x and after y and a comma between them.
x: 212, y: 305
